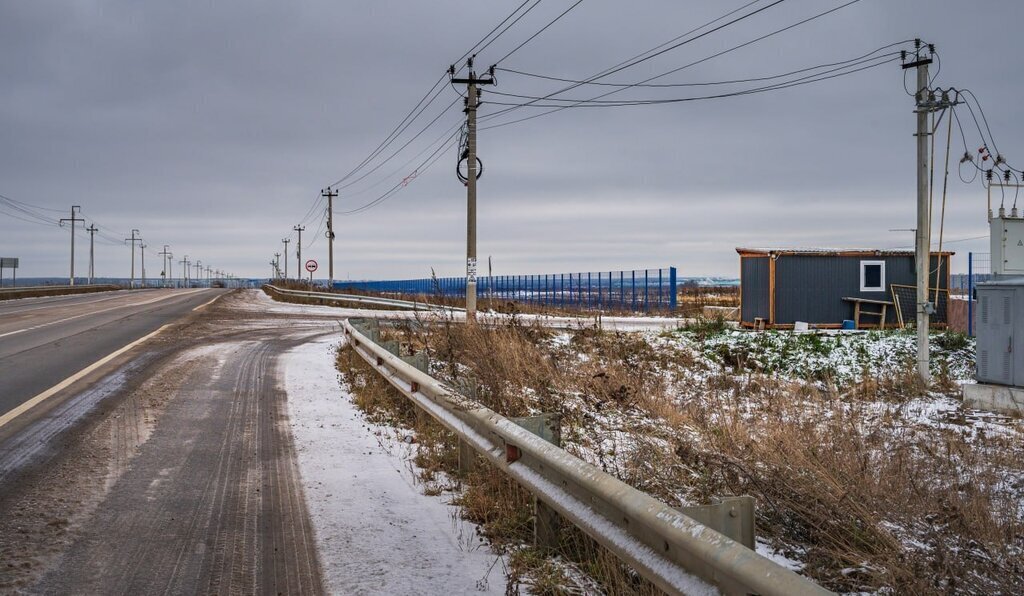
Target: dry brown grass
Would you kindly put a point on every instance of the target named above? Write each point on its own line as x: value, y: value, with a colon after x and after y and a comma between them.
x: 847, y: 480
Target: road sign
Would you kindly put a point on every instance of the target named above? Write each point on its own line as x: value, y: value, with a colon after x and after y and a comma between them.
x: 311, y: 265
x: 9, y: 262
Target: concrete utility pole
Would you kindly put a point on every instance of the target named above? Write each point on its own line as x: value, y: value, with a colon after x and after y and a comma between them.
x: 298, y: 253
x: 92, y: 229
x: 199, y: 271
x: 133, y: 239
x: 926, y: 103
x: 472, y: 103
x: 286, y: 241
x: 142, y: 253
x: 277, y: 264
x: 165, y: 264
x: 74, y: 209
x: 330, y: 234
x: 184, y: 262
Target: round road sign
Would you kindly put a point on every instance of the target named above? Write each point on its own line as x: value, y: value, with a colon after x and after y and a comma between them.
x: 311, y: 265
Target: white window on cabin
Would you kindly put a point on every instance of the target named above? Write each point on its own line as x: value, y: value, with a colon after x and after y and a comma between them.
x: 872, y: 276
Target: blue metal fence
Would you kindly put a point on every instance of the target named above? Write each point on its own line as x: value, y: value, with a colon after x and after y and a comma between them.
x: 979, y: 269
x: 640, y: 290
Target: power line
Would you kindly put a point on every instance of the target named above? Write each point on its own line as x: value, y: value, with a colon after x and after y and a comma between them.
x: 398, y: 130
x: 838, y: 72
x: 706, y: 83
x: 496, y: 27
x: 526, y: 12
x: 650, y: 54
x: 731, y: 49
x: 542, y: 30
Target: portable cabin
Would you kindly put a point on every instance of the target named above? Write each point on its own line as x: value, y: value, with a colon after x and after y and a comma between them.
x: 824, y: 287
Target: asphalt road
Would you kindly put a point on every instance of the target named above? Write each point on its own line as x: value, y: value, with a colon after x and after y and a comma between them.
x: 45, y: 340
x: 173, y: 471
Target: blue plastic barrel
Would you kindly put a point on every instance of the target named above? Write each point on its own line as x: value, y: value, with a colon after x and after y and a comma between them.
x: 848, y: 324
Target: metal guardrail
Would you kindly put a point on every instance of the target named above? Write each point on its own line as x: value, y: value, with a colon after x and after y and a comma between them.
x: 23, y: 291
x: 330, y: 296
x: 675, y: 552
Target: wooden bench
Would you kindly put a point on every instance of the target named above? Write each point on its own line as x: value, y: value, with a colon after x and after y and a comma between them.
x: 857, y: 312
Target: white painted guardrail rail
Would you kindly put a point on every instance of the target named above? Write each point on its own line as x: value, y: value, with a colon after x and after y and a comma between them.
x: 359, y: 299
x: 675, y: 552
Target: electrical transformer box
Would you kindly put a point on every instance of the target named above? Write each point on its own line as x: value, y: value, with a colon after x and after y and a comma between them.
x: 1007, y: 243
x: 1000, y: 324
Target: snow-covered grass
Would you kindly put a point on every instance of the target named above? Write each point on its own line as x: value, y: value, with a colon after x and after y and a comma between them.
x: 377, y: 533
x: 839, y: 358
x: 864, y: 479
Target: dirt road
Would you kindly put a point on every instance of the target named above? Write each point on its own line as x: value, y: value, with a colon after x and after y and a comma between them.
x: 178, y: 474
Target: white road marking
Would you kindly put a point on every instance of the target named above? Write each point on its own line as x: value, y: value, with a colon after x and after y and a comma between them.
x: 28, y: 405
x: 205, y: 304
x: 96, y: 312
x: 67, y: 301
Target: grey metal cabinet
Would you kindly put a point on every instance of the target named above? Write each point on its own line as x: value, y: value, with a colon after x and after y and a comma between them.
x: 996, y: 335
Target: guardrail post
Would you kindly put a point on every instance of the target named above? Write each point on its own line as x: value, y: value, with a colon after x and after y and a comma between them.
x: 420, y: 361
x: 546, y: 521
x: 730, y: 516
x: 467, y: 458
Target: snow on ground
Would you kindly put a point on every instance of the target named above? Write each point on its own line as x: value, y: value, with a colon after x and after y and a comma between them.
x: 259, y: 301
x: 376, y: 532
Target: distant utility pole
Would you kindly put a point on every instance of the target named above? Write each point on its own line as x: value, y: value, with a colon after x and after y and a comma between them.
x: 472, y: 103
x: 926, y: 103
x: 165, y: 264
x: 277, y: 264
x: 286, y: 241
x: 330, y: 234
x: 133, y: 239
x: 142, y: 253
x: 92, y: 229
x: 298, y: 252
x: 199, y: 272
x: 74, y: 209
x: 184, y: 262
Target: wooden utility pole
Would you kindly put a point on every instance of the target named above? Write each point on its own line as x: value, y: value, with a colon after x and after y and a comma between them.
x: 472, y: 103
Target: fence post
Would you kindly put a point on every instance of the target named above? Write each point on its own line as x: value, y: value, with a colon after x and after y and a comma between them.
x: 673, y: 300
x: 622, y: 290
x: 590, y: 289
x: 970, y: 294
x: 647, y: 290
x: 633, y: 290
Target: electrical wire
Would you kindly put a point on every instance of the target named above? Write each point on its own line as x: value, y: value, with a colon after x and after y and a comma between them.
x: 728, y: 50
x: 577, y: 101
x: 775, y: 87
x: 542, y: 30
x: 423, y: 167
x: 526, y: 12
x: 399, y: 129
x: 711, y: 83
x: 496, y: 27
x: 649, y: 55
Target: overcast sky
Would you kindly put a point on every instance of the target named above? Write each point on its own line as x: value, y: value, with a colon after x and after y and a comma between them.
x: 212, y: 126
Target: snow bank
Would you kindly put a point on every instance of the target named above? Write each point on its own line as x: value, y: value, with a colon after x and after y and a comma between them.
x: 375, y: 531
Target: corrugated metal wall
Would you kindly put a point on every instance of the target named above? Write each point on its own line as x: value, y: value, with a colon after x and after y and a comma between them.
x: 811, y: 288
x: 753, y: 288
